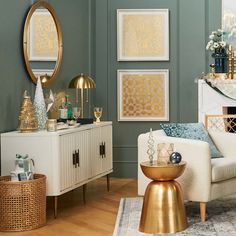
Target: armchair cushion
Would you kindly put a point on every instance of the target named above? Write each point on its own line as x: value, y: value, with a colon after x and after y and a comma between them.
x: 195, y: 131
x: 225, y: 142
x: 223, y: 169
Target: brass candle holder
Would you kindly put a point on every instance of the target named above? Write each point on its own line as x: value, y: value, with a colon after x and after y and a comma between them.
x: 231, y: 61
x: 234, y: 64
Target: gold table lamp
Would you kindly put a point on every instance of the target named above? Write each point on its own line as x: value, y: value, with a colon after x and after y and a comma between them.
x: 82, y: 82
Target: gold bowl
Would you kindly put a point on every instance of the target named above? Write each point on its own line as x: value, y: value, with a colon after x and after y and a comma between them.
x: 162, y: 172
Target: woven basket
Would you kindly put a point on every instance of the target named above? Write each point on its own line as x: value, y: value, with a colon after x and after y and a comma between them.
x: 22, y: 204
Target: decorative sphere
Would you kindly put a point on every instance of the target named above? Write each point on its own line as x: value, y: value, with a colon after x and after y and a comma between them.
x: 175, y: 157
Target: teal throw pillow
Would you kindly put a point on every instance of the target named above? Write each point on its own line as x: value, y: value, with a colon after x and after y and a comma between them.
x: 195, y: 131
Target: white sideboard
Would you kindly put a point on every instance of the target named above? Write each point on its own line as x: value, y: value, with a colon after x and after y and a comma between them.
x: 69, y: 158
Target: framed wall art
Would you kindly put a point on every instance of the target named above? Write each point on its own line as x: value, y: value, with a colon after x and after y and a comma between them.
x: 143, y: 95
x: 229, y: 22
x: 43, y: 37
x: 143, y: 34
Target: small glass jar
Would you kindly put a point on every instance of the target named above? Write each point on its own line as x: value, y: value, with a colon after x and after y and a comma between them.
x: 52, y: 125
x: 164, y: 150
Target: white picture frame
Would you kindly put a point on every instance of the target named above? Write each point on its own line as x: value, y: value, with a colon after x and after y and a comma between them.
x: 143, y: 95
x: 142, y: 34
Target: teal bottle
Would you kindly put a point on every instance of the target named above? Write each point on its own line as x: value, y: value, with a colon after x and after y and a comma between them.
x: 69, y: 108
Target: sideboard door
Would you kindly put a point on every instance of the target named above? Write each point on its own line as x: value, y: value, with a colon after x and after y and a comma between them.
x: 95, y: 153
x: 101, y: 150
x: 106, y: 138
x: 82, y: 156
x: 67, y: 163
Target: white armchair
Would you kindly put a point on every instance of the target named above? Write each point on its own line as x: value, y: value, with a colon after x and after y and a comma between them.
x: 204, y: 179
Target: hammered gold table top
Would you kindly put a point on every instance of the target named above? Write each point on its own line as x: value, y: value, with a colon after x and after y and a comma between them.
x: 159, y: 172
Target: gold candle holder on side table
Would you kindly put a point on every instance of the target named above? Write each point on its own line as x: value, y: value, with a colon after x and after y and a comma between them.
x: 163, y: 208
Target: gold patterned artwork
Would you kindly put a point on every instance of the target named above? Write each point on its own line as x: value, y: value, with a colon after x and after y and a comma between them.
x: 143, y: 95
x: 43, y: 37
x: 143, y: 34
x: 139, y: 38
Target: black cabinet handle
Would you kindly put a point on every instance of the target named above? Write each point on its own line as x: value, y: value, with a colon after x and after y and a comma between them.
x: 100, y: 150
x: 104, y: 149
x: 78, y: 158
x: 74, y: 159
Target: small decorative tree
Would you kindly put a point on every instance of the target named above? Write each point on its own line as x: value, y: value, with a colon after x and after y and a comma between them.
x: 27, y: 118
x: 40, y: 106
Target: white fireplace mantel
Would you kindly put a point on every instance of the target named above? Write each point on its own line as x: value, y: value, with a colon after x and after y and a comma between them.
x: 211, y: 102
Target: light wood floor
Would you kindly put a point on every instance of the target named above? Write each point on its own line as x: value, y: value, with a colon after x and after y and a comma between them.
x: 96, y: 218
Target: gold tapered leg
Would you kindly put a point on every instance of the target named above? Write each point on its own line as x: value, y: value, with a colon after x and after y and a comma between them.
x: 108, y: 182
x: 163, y: 208
x: 203, y: 211
x: 55, y: 198
x: 84, y: 193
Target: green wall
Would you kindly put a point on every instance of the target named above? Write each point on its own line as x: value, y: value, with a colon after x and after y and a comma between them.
x: 74, y: 16
x: 190, y: 24
x: 75, y: 20
x: 89, y: 46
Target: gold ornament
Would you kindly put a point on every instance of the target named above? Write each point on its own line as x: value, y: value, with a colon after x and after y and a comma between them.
x: 27, y: 118
x: 53, y: 113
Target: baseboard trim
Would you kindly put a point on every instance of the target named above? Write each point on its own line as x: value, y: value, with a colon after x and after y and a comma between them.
x: 132, y: 162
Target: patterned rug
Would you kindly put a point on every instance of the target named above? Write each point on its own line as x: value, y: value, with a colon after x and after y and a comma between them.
x: 221, y: 218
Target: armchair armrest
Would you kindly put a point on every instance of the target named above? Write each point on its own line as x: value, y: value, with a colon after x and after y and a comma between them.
x: 196, y: 179
x: 225, y: 142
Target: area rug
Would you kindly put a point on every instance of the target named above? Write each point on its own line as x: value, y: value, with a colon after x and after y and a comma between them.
x: 221, y: 218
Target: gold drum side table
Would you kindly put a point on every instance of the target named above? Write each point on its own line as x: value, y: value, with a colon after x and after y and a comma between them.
x: 163, y: 208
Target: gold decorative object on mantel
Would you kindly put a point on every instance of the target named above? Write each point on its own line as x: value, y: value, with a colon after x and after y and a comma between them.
x: 231, y: 68
x: 82, y: 82
x: 232, y: 63
x: 231, y: 60
x: 27, y: 118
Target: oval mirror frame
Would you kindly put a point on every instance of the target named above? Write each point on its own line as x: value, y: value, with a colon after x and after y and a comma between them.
x: 33, y: 8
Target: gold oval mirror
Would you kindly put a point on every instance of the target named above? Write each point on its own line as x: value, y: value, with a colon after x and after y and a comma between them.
x: 42, y: 43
